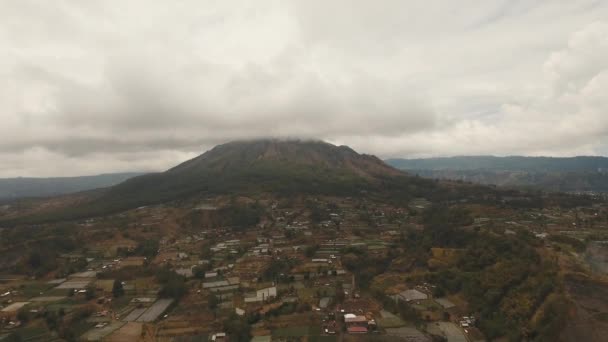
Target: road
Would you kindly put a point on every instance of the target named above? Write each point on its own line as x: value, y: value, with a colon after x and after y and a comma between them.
x: 452, y: 332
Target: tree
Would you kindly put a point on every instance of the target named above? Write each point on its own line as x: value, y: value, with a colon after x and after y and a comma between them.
x: 199, y: 272
x: 174, y: 288
x: 13, y: 337
x: 339, y: 292
x: 213, y: 303
x: 311, y: 250
x: 23, y: 315
x: 34, y: 259
x: 52, y: 321
x: 90, y: 292
x: 237, y: 328
x: 148, y: 248
x: 117, y: 289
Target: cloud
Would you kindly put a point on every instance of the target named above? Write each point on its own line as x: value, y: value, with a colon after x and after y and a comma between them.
x: 88, y: 87
x: 566, y: 117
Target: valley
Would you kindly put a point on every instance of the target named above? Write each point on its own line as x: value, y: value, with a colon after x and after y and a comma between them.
x: 365, y: 252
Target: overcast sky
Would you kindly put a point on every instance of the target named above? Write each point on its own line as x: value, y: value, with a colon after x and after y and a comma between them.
x: 88, y: 87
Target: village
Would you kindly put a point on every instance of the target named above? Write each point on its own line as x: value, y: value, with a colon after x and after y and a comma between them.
x: 168, y: 273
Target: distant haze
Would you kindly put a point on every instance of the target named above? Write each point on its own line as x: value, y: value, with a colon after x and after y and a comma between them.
x: 512, y: 163
x: 12, y: 188
x: 553, y: 174
x: 90, y: 87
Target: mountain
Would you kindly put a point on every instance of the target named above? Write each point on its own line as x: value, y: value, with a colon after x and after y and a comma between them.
x: 235, y: 156
x: 282, y: 167
x: 512, y: 163
x: 576, y: 174
x: 13, y: 188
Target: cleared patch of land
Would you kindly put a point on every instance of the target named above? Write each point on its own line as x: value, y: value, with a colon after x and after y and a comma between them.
x: 155, y: 310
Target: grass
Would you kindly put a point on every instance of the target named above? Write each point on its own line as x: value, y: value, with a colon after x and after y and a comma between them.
x: 120, y: 302
x: 105, y: 284
x: 57, y: 307
x: 297, y: 331
x: 306, y: 294
x: 384, y: 281
x: 35, y: 288
x: 602, y: 316
x: 389, y: 320
x: 310, y: 294
x: 57, y: 292
x: 143, y: 284
x: 323, y: 338
x: 31, y: 333
x: 428, y: 305
x: 79, y: 328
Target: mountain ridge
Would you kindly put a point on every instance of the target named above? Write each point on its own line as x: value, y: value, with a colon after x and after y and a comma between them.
x: 283, y: 167
x: 508, y: 163
x: 23, y: 187
x: 554, y: 174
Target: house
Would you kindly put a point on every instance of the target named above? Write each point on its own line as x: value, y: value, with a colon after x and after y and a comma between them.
x: 356, y: 324
x: 262, y: 295
x: 410, y: 295
x: 224, y: 288
x: 267, y: 292
x: 354, y: 319
x: 218, y: 283
x: 467, y: 322
x: 324, y: 302
x: 132, y: 261
x: 219, y: 337
x: 231, y: 281
x: 186, y: 272
x: 10, y: 312
x: 357, y: 330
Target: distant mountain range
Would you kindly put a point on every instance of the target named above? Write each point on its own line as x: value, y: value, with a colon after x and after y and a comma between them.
x: 12, y: 188
x: 295, y: 162
x: 575, y: 174
x: 258, y: 169
x: 285, y: 166
x: 281, y: 167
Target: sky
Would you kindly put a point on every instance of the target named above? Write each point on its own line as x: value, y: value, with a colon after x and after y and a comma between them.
x: 89, y: 87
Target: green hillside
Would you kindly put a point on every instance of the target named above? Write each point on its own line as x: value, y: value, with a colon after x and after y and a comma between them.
x: 284, y: 168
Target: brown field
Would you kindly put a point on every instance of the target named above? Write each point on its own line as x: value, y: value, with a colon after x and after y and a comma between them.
x: 589, y: 319
x: 297, y: 319
x: 129, y: 332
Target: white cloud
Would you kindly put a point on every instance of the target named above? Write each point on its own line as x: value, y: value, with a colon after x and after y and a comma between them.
x: 91, y: 87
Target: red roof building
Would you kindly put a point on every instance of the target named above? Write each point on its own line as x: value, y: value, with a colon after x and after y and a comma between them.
x: 357, y: 330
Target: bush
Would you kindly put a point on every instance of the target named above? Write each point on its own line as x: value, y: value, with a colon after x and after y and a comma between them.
x: 174, y: 288
x: 117, y: 289
x: 23, y: 315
